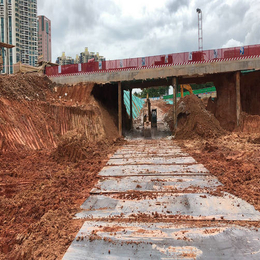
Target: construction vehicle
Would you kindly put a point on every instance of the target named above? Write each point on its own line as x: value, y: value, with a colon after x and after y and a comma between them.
x: 149, y: 118
x: 154, y: 118
x: 186, y: 86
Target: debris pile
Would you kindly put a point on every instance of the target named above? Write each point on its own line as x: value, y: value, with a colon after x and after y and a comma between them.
x: 25, y: 86
x: 234, y: 159
x: 193, y: 120
x: 75, y: 146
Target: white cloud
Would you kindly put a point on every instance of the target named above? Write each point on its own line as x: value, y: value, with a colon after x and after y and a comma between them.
x: 132, y: 28
x: 232, y: 43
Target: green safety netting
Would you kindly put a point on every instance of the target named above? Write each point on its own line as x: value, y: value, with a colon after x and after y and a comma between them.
x: 169, y: 98
x: 137, y: 104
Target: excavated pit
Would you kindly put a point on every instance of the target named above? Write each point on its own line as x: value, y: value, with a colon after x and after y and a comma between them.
x: 36, y: 114
x: 55, y: 139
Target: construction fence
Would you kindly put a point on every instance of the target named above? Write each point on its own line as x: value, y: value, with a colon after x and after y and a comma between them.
x: 214, y: 55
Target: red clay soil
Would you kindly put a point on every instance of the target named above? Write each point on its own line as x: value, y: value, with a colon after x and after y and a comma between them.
x: 33, y: 117
x: 27, y: 87
x: 234, y: 159
x: 194, y: 121
x: 39, y: 197
x: 53, y: 143
x: 250, y: 123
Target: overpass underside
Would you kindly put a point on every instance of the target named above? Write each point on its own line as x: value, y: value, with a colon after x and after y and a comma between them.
x: 237, y: 84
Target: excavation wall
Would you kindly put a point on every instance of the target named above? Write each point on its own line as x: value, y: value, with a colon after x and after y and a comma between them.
x: 33, y: 117
x: 224, y: 107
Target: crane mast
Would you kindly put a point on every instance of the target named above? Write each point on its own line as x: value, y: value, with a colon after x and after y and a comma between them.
x: 200, y: 36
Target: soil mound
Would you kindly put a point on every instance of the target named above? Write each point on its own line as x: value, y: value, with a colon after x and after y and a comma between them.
x: 75, y: 146
x: 25, y: 86
x: 194, y: 120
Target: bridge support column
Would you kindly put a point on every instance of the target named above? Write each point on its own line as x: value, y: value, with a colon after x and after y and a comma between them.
x: 238, y: 98
x: 174, y: 85
x: 131, y: 109
x: 120, y: 118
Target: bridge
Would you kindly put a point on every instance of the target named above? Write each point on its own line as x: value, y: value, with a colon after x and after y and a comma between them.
x: 221, y: 66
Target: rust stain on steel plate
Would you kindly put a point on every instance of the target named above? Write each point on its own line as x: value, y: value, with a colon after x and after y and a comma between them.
x: 125, y: 170
x: 153, y: 160
x: 154, y: 183
x: 119, y: 155
x: 191, y: 206
x: 103, y: 240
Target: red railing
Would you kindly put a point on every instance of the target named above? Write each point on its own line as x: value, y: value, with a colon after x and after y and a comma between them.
x: 159, y: 60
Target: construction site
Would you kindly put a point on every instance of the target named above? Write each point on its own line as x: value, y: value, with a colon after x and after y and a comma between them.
x: 145, y: 157
x: 71, y: 187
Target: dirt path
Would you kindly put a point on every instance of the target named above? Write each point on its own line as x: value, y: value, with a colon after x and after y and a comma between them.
x: 154, y: 201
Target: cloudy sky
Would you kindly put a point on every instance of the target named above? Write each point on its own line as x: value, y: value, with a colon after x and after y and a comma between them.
x: 120, y: 29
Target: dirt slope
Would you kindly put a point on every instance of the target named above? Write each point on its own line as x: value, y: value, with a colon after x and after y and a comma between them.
x: 194, y: 120
x: 53, y: 142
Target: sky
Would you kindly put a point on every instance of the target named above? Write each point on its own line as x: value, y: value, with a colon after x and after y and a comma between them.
x: 119, y: 29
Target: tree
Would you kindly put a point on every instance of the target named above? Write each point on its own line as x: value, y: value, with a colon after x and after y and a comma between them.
x: 154, y: 92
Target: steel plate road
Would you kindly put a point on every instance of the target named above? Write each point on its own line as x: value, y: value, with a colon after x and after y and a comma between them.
x: 194, y: 206
x: 145, y: 155
x: 103, y: 240
x: 157, y: 170
x: 154, y: 201
x: 154, y: 183
x: 152, y: 160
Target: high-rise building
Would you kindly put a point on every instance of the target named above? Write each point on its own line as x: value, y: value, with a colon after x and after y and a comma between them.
x: 84, y: 57
x: 44, y: 38
x: 65, y: 60
x: 18, y: 26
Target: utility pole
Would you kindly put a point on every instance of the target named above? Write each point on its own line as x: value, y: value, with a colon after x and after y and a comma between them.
x: 200, y: 36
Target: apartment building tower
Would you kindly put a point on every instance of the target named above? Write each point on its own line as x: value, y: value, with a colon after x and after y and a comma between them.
x: 84, y: 57
x: 18, y: 26
x: 44, y: 38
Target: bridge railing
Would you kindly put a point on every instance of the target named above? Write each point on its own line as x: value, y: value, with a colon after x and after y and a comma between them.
x: 159, y: 60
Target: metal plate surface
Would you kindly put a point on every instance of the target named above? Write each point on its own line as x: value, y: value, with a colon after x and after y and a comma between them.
x: 154, y: 183
x: 181, y: 192
x: 104, y: 240
x: 182, y: 206
x: 150, y: 150
x: 125, y: 155
x: 126, y: 170
x: 152, y: 160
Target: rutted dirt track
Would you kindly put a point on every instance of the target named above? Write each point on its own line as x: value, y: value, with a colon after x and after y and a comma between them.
x: 54, y: 140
